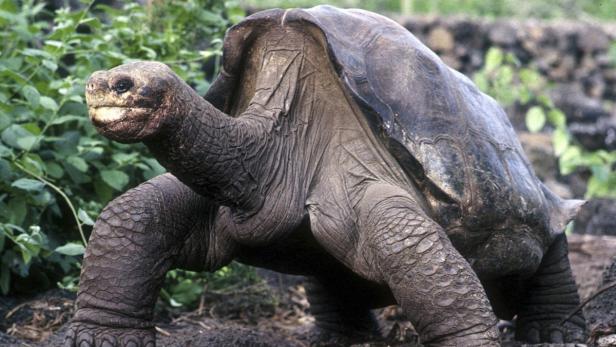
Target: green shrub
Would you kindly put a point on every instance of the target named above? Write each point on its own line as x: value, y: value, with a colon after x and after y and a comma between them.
x: 56, y: 172
x: 579, y: 9
x: 503, y: 78
x: 184, y: 288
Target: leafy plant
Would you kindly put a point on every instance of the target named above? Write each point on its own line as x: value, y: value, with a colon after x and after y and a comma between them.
x: 503, y: 78
x: 56, y: 172
x: 579, y: 9
x: 184, y: 288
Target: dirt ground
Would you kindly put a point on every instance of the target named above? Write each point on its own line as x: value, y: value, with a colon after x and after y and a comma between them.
x: 249, y: 317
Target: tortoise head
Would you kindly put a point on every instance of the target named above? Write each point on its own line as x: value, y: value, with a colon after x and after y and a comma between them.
x: 131, y: 102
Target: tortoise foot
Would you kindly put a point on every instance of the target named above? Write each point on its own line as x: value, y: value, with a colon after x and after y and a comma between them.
x: 90, y: 335
x: 568, y: 333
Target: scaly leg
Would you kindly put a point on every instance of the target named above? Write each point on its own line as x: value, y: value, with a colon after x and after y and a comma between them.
x: 551, y: 295
x: 138, y: 237
x: 433, y: 283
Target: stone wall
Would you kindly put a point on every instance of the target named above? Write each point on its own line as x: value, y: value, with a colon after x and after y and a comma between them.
x: 572, y: 55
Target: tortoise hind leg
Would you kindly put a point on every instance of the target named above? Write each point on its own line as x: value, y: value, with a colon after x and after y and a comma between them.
x: 551, y: 295
x: 342, y: 313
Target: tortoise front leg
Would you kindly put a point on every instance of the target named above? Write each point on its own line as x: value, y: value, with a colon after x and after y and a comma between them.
x: 550, y: 297
x: 436, y: 287
x: 137, y: 238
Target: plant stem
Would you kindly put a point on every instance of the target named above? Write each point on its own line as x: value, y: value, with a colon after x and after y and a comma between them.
x: 63, y: 195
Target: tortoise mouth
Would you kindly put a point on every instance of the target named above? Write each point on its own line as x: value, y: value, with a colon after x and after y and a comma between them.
x: 125, y: 124
x: 106, y: 115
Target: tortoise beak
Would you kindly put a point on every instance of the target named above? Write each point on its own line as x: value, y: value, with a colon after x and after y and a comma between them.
x: 96, y: 88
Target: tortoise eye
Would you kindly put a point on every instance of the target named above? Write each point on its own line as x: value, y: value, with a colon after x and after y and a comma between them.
x: 122, y: 86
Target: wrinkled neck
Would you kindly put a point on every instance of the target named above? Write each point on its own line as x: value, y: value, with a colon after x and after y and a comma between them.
x: 203, y: 147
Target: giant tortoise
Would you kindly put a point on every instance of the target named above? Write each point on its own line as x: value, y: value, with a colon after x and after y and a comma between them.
x: 334, y: 145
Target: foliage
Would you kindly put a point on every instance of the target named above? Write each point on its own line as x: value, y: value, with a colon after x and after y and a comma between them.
x: 56, y: 172
x: 503, y: 78
x: 570, y: 9
x: 184, y: 288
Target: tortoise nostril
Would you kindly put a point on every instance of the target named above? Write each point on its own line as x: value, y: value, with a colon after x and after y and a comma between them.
x: 97, y: 81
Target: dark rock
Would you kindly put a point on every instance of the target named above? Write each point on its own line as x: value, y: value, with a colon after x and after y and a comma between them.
x: 594, y: 136
x: 597, y: 218
x: 563, y: 69
x: 592, y: 39
x: 576, y: 182
x: 503, y: 34
x: 441, y: 40
x: 576, y: 105
x: 466, y: 31
x: 594, y: 84
x: 538, y: 148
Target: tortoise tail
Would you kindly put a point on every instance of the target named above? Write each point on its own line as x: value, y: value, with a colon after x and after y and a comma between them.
x: 562, y: 211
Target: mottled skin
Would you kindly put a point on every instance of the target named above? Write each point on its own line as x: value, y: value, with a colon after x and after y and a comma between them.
x: 293, y: 176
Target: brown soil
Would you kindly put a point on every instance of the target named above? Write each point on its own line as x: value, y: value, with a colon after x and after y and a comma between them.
x: 249, y: 317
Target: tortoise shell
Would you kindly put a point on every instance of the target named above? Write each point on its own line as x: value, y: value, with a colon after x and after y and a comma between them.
x: 455, y: 142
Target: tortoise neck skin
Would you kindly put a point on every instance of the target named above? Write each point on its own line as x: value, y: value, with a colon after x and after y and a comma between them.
x: 205, y: 149
x: 214, y: 154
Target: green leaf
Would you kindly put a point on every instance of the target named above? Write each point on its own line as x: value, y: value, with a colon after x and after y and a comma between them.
x: 17, y: 136
x: 570, y: 160
x: 530, y: 78
x: 77, y: 163
x: 505, y: 76
x: 557, y: 118
x: 28, y: 184
x: 154, y: 170
x: 6, y: 172
x: 71, y: 248
x: 601, y: 172
x: 84, y: 218
x: 535, y: 119
x: 49, y: 103
x: 33, y: 163
x: 602, y: 186
x: 103, y: 191
x: 29, y: 246
x: 494, y: 59
x: 65, y: 119
x: 124, y: 158
x: 16, y: 210
x: 54, y: 170
x: 32, y: 95
x: 35, y: 53
x: 32, y: 127
x: 115, y: 179
x: 51, y: 65
x: 560, y: 140
x: 5, y: 151
x: 53, y: 43
x: 5, y: 120
x: 481, y: 81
